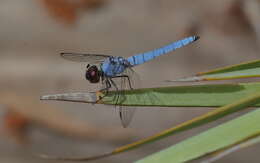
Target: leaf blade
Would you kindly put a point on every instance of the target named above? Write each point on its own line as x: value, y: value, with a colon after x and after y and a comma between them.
x: 175, y: 96
x: 194, y: 147
x: 214, y: 156
x: 198, y: 121
x: 244, y: 70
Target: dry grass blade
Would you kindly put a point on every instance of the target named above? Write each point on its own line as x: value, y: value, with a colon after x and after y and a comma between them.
x: 76, y: 158
x: 89, y: 97
x: 42, y: 115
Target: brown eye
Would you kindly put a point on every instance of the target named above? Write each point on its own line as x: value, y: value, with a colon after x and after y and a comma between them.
x: 92, y: 74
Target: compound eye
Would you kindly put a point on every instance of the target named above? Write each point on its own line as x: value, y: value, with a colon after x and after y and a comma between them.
x: 93, y: 73
x: 88, y: 76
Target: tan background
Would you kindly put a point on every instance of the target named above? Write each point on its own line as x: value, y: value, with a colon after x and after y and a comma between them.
x: 31, y: 40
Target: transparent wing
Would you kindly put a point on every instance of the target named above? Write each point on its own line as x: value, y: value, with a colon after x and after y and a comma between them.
x: 126, y: 113
x: 79, y: 57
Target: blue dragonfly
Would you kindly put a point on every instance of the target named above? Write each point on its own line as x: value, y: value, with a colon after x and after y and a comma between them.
x: 106, y: 68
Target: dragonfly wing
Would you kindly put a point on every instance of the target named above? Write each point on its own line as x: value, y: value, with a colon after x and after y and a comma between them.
x: 79, y: 57
x: 126, y: 113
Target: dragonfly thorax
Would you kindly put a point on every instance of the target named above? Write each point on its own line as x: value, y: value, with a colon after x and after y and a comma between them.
x: 93, y: 74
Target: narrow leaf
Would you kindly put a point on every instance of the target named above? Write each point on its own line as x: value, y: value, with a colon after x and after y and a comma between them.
x: 243, y: 70
x: 198, y: 121
x: 227, y: 134
x: 214, y: 156
x: 180, y: 96
x: 236, y: 67
x: 23, y: 111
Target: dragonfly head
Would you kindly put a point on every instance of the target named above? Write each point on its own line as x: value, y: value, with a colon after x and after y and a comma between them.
x: 93, y: 74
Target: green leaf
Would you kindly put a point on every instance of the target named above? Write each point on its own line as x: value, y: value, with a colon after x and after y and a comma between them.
x: 243, y: 70
x: 216, y: 155
x: 227, y: 134
x: 198, y: 121
x: 193, y: 96
x: 232, y: 68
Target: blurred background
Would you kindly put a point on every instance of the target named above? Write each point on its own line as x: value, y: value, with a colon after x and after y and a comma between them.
x: 34, y: 32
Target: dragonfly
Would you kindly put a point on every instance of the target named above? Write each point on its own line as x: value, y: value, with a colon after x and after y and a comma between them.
x: 106, y: 68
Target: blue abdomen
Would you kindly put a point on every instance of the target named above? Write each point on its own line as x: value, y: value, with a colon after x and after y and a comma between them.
x: 150, y: 55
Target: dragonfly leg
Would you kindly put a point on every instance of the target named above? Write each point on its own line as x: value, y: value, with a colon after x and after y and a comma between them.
x: 107, y: 87
x: 116, y: 97
x: 128, y: 79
